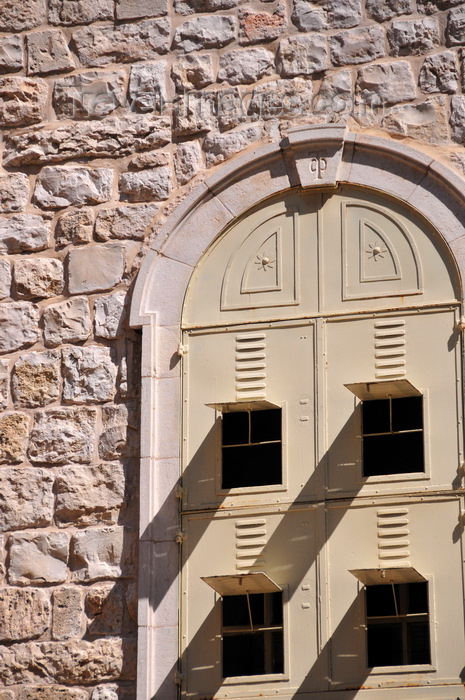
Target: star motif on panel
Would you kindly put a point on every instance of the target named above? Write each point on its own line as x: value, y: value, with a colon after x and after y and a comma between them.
x: 375, y: 251
x: 264, y: 262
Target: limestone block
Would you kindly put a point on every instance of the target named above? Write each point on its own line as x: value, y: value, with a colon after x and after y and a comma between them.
x: 357, y: 46
x: 26, y: 498
x: 23, y: 614
x: 196, y: 113
x: 147, y: 86
x: 67, y: 613
x: 22, y: 101
x: 38, y: 277
x: 5, y: 278
x: 152, y: 159
x: 18, y: 325
x: 36, y: 379
x: 97, y: 553
x: 256, y: 27
x: 75, y: 227
x: 455, y: 31
x: 95, y: 268
x: 188, y: 161
x: 429, y: 7
x: 384, y: 10
x: 67, y: 322
x: 245, y: 66
x: 205, y: 33
x: 188, y: 7
x: 38, y: 558
x: 330, y: 14
x: 104, y: 692
x: 302, y: 55
x: 51, y: 692
x: 14, y: 194
x: 47, y: 52
x: 89, y: 374
x: 124, y: 222
x: 335, y: 98
x: 62, y: 435
x: 11, y: 53
x: 16, y: 16
x: 439, y: 73
x: 90, y: 95
x: 136, y: 9
x: 148, y: 185
x: 105, y: 608
x: 14, y: 430
x: 109, y: 314
x: 89, y: 495
x: 278, y: 99
x: 412, y: 37
x: 6, y: 695
x: 218, y: 147
x: 193, y: 72
x: 132, y: 599
x: 117, y: 438
x: 426, y: 121
x: 97, y: 46
x: 73, y: 662
x: 79, y: 11
x: 62, y: 187
x: 385, y: 83
x: 23, y: 233
x: 4, y: 382
x: 457, y: 118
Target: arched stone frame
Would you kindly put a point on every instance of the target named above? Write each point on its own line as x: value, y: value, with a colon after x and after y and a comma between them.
x: 309, y: 157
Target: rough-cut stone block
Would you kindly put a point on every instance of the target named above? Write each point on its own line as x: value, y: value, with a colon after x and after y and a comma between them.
x: 23, y: 233
x: 90, y: 95
x: 256, y: 27
x: 386, y: 84
x: 426, y: 121
x: 89, y: 495
x: 193, y: 72
x: 119, y: 437
x: 384, y: 10
x: 105, y: 692
x: 439, y: 73
x: 195, y: 113
x: 153, y: 159
x: 137, y: 9
x: 335, y: 97
x: 62, y: 435
x: 75, y: 227
x: 97, y: 46
x: 189, y: 7
x: 245, y: 66
x: 47, y: 52
x: 109, y: 314
x: 95, y: 268
x: 311, y: 16
x: 74, y: 662
x: 132, y: 599
x: 36, y: 379
x: 147, y: 185
x: 429, y: 7
x: 357, y: 46
x: 188, y: 161
x: 16, y: 16
x: 280, y: 99
x: 38, y: 558
x: 67, y: 613
x: 22, y: 101
x: 147, y: 86
x: 302, y: 55
x: 51, y: 692
x: 67, y: 321
x: 4, y: 382
x: 97, y: 553
x: 26, y: 498
x: 7, y: 695
x: 5, y: 278
x: 14, y: 430
x: 113, y: 137
x: 79, y: 11
x: 105, y: 608
x: 14, y: 195
x: 412, y: 37
x: 62, y: 187
x: 457, y: 118
x: 205, y: 33
x: 218, y: 147
x: 18, y: 325
x: 89, y: 374
x: 455, y: 32
x: 11, y: 53
x: 23, y: 614
x: 38, y: 277
x: 124, y: 222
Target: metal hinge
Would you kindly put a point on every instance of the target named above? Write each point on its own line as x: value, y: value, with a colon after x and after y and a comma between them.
x: 180, y: 536
x: 178, y: 677
x: 179, y: 491
x: 182, y: 350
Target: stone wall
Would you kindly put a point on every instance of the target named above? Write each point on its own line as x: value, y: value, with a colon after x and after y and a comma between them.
x: 111, y: 112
